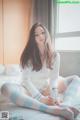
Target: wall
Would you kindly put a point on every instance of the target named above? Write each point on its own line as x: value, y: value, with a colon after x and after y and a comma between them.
x: 1, y: 42
x: 16, y: 23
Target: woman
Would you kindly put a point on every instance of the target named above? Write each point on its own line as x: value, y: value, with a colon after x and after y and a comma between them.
x: 40, y: 71
x: 40, y: 64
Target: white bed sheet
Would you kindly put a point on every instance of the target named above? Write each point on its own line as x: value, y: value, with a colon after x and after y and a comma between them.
x: 19, y: 113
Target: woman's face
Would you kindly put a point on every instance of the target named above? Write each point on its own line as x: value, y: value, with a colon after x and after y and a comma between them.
x: 40, y: 36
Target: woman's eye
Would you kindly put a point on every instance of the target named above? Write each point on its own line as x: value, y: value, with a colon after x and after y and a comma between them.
x: 36, y: 35
x: 43, y: 32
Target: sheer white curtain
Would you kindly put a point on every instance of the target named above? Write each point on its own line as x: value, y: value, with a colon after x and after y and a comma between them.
x: 68, y: 27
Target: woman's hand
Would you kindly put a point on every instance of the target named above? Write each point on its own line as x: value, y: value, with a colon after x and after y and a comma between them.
x: 46, y: 91
x: 49, y: 100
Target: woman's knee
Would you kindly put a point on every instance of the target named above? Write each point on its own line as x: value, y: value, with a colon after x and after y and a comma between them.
x: 5, y: 88
x: 75, y: 77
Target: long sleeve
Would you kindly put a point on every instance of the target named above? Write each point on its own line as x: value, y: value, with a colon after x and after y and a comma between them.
x: 29, y: 85
x: 55, y: 71
x: 55, y: 76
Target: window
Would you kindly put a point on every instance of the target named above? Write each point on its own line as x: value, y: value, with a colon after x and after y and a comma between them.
x: 68, y: 27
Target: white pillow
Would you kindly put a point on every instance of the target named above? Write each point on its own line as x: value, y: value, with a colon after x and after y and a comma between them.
x: 2, y: 69
x: 13, y: 69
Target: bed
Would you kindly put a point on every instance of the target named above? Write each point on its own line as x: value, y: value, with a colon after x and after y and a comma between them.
x: 12, y: 74
x: 21, y: 113
x: 18, y: 113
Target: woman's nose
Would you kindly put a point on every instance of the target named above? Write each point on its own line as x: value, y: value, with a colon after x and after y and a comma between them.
x: 41, y: 36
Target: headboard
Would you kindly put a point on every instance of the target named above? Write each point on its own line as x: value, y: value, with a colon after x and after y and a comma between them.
x: 69, y: 63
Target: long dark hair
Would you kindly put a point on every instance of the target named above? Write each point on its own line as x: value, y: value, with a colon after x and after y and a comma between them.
x: 31, y: 54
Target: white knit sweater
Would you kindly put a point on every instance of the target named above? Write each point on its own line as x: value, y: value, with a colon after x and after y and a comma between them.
x: 35, y: 81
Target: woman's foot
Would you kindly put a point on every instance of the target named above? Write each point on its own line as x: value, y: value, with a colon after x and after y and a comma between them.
x: 65, y: 112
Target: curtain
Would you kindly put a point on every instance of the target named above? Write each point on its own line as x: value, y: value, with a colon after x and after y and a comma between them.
x: 44, y: 12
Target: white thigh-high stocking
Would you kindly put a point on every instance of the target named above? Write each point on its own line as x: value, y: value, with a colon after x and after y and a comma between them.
x: 16, y: 94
